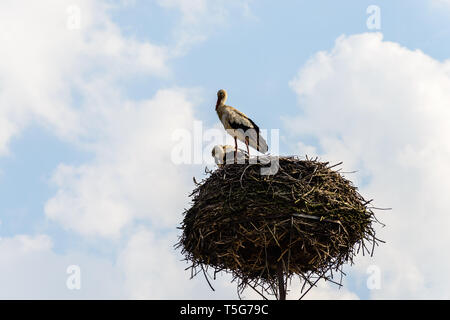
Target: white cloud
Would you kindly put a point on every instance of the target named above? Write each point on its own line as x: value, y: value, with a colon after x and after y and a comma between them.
x: 66, y: 78
x: 147, y: 267
x: 439, y: 3
x: 44, y: 59
x: 326, y: 291
x: 200, y: 17
x: 383, y: 110
x: 30, y: 269
x: 154, y: 271
x: 132, y: 176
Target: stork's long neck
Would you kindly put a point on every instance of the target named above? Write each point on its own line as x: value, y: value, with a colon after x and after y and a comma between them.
x: 220, y: 102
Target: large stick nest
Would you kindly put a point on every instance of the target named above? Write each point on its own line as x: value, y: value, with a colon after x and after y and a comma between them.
x: 306, y: 217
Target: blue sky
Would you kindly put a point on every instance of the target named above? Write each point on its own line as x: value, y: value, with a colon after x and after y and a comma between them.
x: 86, y: 116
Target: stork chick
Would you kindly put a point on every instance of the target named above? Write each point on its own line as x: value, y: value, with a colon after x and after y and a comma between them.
x: 223, y: 153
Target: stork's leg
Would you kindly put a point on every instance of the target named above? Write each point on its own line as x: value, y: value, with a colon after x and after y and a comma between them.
x: 235, y: 150
x: 246, y: 144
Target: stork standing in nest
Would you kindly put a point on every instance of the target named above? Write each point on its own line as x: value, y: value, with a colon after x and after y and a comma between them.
x: 239, y: 126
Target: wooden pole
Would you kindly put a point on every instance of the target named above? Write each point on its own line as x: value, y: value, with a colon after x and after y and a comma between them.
x: 281, y: 284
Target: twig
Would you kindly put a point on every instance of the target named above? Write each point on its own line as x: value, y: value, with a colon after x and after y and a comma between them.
x: 207, y: 280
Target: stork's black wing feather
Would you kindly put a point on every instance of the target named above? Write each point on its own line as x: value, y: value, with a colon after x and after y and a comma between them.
x: 239, y: 125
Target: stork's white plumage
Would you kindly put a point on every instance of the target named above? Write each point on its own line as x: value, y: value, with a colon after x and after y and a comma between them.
x: 225, y: 154
x: 239, y: 126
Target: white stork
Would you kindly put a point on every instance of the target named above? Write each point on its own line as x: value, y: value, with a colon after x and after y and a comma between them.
x: 239, y: 126
x: 222, y: 154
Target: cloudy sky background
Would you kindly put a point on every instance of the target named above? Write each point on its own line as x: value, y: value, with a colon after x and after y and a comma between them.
x: 88, y: 113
